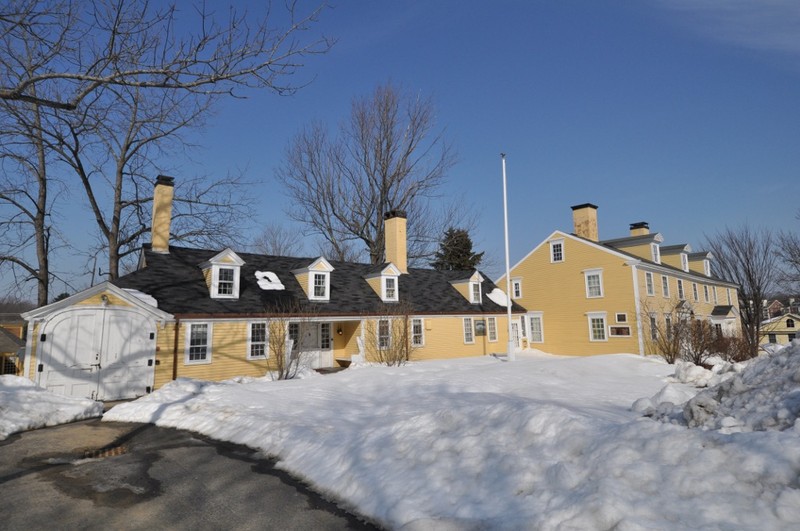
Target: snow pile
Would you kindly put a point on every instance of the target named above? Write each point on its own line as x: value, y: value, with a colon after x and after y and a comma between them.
x: 540, y: 443
x: 689, y: 373
x: 24, y: 406
x: 764, y: 396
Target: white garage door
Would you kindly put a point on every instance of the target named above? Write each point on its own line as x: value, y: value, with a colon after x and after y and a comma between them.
x: 99, y: 353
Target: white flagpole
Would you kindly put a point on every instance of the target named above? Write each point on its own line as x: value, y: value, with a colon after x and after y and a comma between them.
x: 510, y: 347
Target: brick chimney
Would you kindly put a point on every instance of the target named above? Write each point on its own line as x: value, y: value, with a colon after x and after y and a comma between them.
x: 640, y: 228
x: 394, y: 237
x: 584, y: 219
x: 162, y: 213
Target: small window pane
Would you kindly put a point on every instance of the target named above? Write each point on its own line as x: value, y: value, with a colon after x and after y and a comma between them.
x: 593, y: 285
x: 536, y: 329
x: 417, y: 337
x: 198, y: 342
x: 319, y: 286
x: 391, y: 292
x: 325, y: 336
x: 491, y: 323
x: 598, y: 325
x: 469, y: 337
x: 258, y: 340
x: 225, y: 281
x: 383, y: 334
x: 557, y: 251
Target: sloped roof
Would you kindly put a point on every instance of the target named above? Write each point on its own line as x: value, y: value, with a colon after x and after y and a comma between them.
x: 721, y: 311
x: 176, y: 281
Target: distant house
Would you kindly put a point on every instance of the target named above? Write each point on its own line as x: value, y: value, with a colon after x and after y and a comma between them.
x: 209, y: 313
x: 780, y: 330
x: 10, y: 346
x: 589, y: 296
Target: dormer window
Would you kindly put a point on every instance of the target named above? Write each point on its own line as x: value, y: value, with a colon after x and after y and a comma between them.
x: 222, y: 275
x: 684, y: 262
x: 655, y: 252
x: 475, y: 290
x: 316, y: 279
x: 707, y: 267
x: 390, y: 288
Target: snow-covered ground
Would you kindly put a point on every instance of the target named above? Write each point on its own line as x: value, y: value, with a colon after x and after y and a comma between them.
x: 540, y: 443
x: 24, y: 406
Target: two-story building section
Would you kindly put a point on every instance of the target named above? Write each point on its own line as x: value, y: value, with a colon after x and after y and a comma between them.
x: 585, y: 296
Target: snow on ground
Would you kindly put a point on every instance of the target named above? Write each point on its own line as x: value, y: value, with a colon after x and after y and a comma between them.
x: 24, y: 406
x: 540, y: 443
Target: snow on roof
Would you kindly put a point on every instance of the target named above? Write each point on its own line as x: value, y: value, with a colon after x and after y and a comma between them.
x: 144, y: 297
x: 498, y: 297
x: 267, y: 280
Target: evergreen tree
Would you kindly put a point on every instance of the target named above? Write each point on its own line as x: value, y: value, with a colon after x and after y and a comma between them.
x: 455, y: 252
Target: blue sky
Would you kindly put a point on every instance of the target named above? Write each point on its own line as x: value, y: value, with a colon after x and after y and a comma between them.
x: 682, y: 114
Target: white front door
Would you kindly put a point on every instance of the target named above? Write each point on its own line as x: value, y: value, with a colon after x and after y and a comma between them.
x: 99, y: 353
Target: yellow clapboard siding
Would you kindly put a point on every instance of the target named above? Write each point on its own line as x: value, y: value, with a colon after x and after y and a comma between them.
x: 97, y: 300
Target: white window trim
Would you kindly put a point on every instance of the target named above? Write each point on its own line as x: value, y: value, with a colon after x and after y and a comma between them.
x: 516, y: 286
x: 681, y: 289
x: 250, y: 340
x: 591, y: 272
x: 707, y: 267
x: 489, y: 329
x: 215, y: 294
x: 563, y: 254
x: 188, y: 340
x: 619, y: 326
x: 422, y: 332
x: 471, y: 329
x: 540, y: 317
x: 728, y: 290
x: 705, y: 293
x: 311, y: 294
x: 624, y: 318
x: 472, y: 292
x: 684, y: 262
x: 649, y: 283
x: 329, y: 326
x: 396, y: 289
x: 714, y: 290
x: 597, y: 315
x: 695, y: 292
x: 665, y: 284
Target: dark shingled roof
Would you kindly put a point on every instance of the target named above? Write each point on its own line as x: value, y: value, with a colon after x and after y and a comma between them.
x: 177, y: 283
x: 721, y: 311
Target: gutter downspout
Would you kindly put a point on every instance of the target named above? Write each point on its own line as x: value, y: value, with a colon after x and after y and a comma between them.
x: 175, y: 349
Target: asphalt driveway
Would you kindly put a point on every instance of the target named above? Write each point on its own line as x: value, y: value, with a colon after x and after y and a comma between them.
x: 109, y: 475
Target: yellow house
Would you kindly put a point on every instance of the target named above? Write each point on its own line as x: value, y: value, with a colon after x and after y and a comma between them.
x: 589, y: 296
x: 780, y: 330
x: 217, y: 314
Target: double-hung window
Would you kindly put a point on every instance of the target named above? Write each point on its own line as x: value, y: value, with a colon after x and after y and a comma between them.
x: 384, y: 334
x: 225, y: 281
x: 681, y: 295
x: 476, y: 292
x: 516, y: 289
x: 257, y: 347
x: 648, y: 280
x: 665, y: 285
x: 655, y: 253
x: 390, y: 293
x: 198, y: 343
x: 491, y: 328
x: 705, y: 293
x: 469, y: 335
x: 695, y: 293
x: 320, y: 286
x: 417, y: 333
x: 594, y: 283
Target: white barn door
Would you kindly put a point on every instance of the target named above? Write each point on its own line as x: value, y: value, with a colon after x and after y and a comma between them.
x: 99, y: 353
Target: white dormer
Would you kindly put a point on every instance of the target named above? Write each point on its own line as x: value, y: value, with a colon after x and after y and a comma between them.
x: 655, y: 252
x: 684, y: 261
x: 470, y: 288
x: 316, y: 279
x: 222, y: 273
x: 386, y: 283
x: 707, y: 267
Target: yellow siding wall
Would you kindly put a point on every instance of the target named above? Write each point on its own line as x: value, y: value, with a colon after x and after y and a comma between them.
x: 302, y: 279
x: 444, y: 339
x: 780, y: 330
x: 558, y: 290
x: 375, y: 284
x: 463, y: 289
x: 207, y: 274
x: 642, y: 251
x: 673, y: 260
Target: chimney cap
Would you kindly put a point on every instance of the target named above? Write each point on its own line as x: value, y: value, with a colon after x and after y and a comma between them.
x: 640, y: 225
x: 584, y: 205
x: 165, y: 180
x: 395, y: 214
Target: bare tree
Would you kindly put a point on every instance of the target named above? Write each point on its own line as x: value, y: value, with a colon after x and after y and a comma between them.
x: 747, y: 257
x: 286, y: 330
x: 386, y: 157
x: 278, y: 240
x: 388, y: 336
x: 80, y: 46
x: 789, y: 252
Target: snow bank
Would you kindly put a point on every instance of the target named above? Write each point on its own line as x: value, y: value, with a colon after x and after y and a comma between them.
x: 540, y: 443
x: 764, y: 396
x: 24, y: 406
